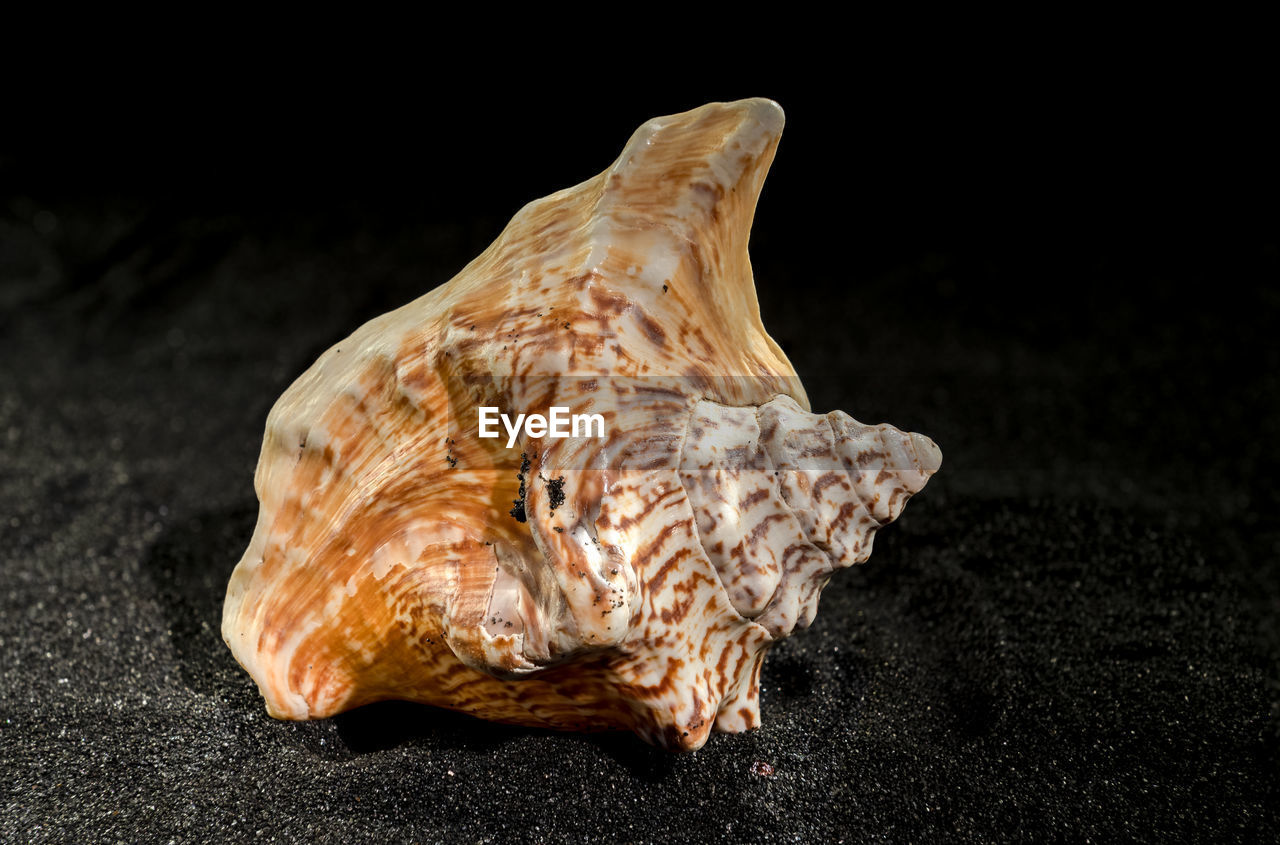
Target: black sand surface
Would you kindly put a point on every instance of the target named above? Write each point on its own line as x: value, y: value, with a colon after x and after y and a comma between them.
x: 1070, y: 284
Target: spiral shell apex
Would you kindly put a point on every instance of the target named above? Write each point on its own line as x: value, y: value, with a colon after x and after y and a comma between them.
x: 631, y: 574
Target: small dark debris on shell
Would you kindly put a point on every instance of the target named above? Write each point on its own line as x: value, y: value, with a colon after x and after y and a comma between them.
x: 555, y: 492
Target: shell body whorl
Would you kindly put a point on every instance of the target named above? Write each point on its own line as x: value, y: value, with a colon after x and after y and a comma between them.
x: 633, y: 580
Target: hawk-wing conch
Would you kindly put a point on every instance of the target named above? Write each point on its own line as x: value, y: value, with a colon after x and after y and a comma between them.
x: 632, y: 576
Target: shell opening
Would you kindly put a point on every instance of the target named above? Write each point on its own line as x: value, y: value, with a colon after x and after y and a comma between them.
x: 502, y: 618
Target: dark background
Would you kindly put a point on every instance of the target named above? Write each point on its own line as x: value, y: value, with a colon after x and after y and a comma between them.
x: 1060, y: 265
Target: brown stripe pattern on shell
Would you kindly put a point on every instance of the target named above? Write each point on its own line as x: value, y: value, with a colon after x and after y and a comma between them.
x: 650, y: 569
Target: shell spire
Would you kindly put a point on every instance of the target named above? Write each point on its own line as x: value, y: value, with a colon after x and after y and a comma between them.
x: 630, y: 575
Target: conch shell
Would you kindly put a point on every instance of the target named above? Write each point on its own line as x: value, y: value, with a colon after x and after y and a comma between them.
x: 633, y: 580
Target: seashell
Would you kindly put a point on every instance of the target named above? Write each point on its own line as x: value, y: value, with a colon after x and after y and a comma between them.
x: 633, y: 580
